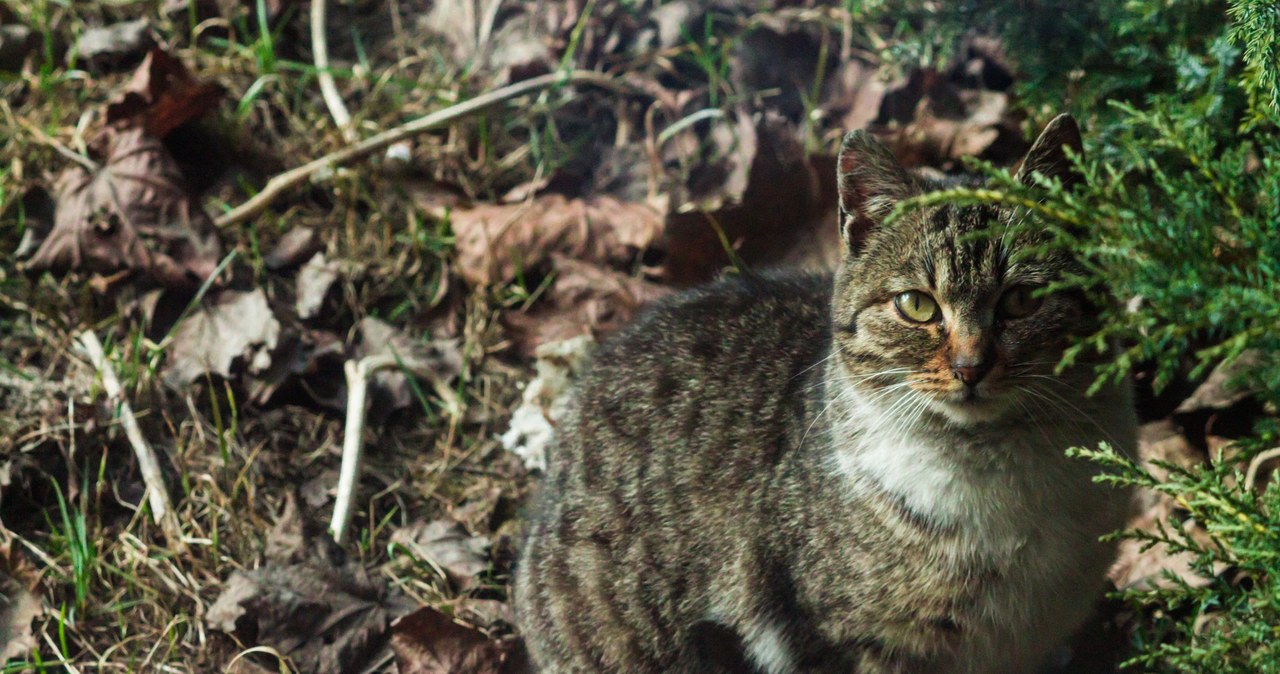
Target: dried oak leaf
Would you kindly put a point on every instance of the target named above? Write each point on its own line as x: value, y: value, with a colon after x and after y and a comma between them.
x: 494, y: 241
x: 235, y: 328
x: 582, y: 299
x: 446, y: 545
x: 428, y: 642
x: 19, y: 603
x: 133, y: 215
x: 327, y: 619
x: 162, y: 96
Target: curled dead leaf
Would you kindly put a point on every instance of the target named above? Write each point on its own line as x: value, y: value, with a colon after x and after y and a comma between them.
x: 232, y: 330
x: 131, y: 215
x: 496, y: 241
x: 19, y: 603
x: 162, y: 96
x: 583, y: 299
x: 448, y: 546
x: 428, y: 642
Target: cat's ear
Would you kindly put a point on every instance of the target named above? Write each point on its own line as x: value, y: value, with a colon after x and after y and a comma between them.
x: 1048, y: 156
x: 871, y: 182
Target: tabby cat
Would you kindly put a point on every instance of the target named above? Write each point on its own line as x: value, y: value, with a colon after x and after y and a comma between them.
x: 863, y: 473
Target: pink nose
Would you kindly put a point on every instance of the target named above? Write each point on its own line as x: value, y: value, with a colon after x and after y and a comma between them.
x: 970, y: 374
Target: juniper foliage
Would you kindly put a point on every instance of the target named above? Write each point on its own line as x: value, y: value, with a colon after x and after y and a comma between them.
x: 1178, y: 223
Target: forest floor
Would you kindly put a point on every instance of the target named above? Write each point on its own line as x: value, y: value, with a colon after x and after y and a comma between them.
x: 136, y: 131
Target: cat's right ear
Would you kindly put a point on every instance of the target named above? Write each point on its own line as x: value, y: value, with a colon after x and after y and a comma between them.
x: 871, y: 182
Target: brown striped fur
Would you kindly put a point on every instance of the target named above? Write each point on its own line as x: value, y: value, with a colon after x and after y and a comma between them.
x: 738, y: 490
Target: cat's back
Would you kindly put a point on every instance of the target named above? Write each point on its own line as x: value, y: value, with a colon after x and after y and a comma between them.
x: 659, y: 476
x: 731, y: 352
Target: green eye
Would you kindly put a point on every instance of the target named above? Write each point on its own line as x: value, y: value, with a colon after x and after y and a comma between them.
x: 916, y: 306
x: 1020, y: 301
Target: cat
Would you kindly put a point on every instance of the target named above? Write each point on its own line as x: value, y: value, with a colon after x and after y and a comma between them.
x: 862, y: 472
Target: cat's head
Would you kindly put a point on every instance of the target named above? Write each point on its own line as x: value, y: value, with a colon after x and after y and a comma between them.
x: 927, y: 311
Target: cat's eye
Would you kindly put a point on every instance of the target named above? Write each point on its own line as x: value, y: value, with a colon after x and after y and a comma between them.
x: 1020, y: 301
x: 917, y: 307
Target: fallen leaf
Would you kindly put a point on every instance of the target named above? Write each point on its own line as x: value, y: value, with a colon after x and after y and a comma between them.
x: 19, y: 603
x: 131, y: 215
x: 582, y: 299
x: 297, y: 246
x: 496, y: 241
x: 113, y: 44
x: 314, y: 281
x: 1142, y: 565
x: 546, y: 399
x: 1222, y: 389
x: 326, y: 620
x: 446, y: 545
x: 307, y: 362
x: 162, y: 96
x: 234, y: 330
x: 428, y: 642
x: 785, y: 216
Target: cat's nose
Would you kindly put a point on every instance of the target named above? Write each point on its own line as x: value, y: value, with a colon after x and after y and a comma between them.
x: 970, y: 371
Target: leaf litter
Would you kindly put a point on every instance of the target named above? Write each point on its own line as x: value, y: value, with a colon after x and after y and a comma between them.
x: 675, y: 181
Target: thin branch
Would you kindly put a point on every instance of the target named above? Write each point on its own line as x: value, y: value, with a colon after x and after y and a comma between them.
x: 157, y: 491
x: 358, y: 373
x: 328, y: 89
x: 1257, y: 462
x: 297, y: 176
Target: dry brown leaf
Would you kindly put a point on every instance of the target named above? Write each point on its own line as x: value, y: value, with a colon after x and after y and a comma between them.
x: 162, y: 96
x: 786, y: 215
x: 314, y: 281
x: 326, y: 621
x: 583, y: 299
x: 428, y: 642
x: 19, y: 603
x: 496, y: 240
x: 1136, y: 567
x: 132, y: 215
x: 297, y: 246
x: 446, y: 545
x: 234, y: 330
x: 1221, y: 390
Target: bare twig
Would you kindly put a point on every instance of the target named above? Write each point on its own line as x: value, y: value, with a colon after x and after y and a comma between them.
x: 328, y: 89
x: 297, y: 176
x: 1257, y: 462
x: 157, y: 492
x: 358, y: 373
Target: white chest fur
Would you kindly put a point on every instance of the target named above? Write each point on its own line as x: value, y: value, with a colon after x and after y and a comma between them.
x: 1012, y: 502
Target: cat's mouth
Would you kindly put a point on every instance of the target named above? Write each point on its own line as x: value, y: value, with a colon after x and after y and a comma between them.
x: 969, y: 405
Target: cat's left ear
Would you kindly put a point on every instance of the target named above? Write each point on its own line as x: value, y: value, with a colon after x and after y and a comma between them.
x: 871, y: 183
x: 1048, y: 157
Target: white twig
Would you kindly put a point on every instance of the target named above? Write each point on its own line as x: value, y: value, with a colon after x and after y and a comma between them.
x: 1257, y: 462
x: 328, y: 89
x: 358, y: 373
x: 299, y: 175
x: 152, y: 477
